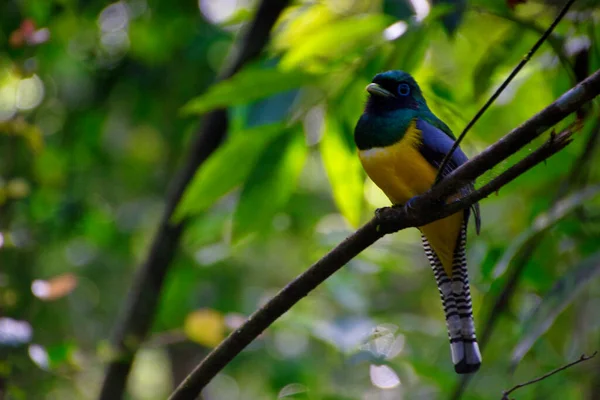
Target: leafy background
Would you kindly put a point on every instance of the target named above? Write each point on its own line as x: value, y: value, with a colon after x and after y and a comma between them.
x: 97, y: 105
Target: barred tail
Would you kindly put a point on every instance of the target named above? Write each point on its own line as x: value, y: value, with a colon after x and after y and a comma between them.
x: 456, y: 300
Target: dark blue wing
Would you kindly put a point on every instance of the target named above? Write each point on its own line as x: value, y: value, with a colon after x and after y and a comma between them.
x: 436, y: 144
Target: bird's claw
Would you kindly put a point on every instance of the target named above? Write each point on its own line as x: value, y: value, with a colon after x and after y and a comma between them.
x: 385, y: 218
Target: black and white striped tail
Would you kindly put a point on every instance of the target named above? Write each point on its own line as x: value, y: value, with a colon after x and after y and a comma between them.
x: 456, y: 300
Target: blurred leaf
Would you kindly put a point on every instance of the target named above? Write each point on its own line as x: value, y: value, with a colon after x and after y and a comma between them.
x: 272, y: 109
x: 344, y: 171
x: 453, y: 17
x: 270, y: 184
x: 541, y: 224
x: 295, y: 390
x: 335, y: 39
x: 225, y: 169
x: 205, y: 326
x: 14, y: 332
x: 248, y: 85
x: 18, y: 188
x: 54, y: 288
x: 560, y: 296
x: 493, y: 59
x: 300, y: 22
x: 410, y: 49
x: 60, y: 354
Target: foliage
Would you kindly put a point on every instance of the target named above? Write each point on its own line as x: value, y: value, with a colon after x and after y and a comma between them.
x: 98, y: 103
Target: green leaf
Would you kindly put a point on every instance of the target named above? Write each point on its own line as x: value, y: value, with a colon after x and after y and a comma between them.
x: 246, y: 86
x: 495, y: 58
x: 541, y: 224
x: 560, y: 296
x: 225, y: 169
x: 344, y: 171
x: 410, y: 48
x: 270, y: 184
x: 337, y: 39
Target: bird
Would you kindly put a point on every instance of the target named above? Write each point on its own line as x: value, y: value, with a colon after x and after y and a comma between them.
x: 401, y: 146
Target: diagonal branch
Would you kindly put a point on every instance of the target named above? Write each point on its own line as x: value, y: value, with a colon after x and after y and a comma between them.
x: 549, y: 374
x: 424, y: 209
x: 140, y: 306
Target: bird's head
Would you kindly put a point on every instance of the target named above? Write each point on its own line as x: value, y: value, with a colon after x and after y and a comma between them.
x: 393, y: 91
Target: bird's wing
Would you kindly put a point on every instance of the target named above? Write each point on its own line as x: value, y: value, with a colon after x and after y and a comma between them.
x: 435, y: 145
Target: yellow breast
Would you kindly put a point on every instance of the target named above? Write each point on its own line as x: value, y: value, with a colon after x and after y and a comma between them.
x: 399, y: 170
x: 402, y: 173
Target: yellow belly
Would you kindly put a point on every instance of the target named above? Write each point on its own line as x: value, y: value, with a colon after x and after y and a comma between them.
x: 402, y: 173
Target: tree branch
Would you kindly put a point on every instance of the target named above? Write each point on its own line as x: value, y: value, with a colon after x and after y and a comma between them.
x: 140, y: 307
x: 424, y: 209
x: 541, y: 378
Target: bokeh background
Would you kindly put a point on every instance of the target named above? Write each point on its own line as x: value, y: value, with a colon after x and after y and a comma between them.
x: 98, y: 102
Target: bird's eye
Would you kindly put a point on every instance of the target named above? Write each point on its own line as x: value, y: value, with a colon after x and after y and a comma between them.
x: 403, y: 89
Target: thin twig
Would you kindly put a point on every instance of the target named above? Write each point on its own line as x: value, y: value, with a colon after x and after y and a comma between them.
x: 506, y: 82
x: 424, y: 209
x: 139, y: 309
x: 541, y: 378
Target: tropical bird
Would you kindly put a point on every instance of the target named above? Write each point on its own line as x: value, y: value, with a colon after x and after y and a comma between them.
x: 401, y: 145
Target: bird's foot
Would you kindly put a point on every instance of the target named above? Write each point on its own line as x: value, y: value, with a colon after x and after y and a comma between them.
x: 386, y: 218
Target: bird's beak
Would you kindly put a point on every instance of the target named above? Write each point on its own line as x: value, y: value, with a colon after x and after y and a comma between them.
x: 377, y: 90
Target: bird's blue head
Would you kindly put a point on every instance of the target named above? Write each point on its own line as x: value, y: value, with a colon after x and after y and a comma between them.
x: 392, y: 91
x: 394, y: 101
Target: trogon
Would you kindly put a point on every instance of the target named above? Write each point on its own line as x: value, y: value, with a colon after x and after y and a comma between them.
x: 401, y: 146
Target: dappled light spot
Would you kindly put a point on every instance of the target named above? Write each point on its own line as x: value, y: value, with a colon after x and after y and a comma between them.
x: 234, y: 320
x: 574, y: 45
x: 209, y: 255
x: 54, y: 288
x: 422, y: 9
x: 150, y: 375
x: 114, y: 17
x: 217, y: 11
x: 346, y: 334
x: 395, y: 30
x: 383, y: 376
x: 314, y: 122
x: 222, y: 387
x: 39, y: 356
x: 17, y: 188
x: 290, y: 343
x: 14, y: 332
x: 291, y: 390
x: 30, y: 93
x: 115, y: 42
x: 384, y: 343
x: 9, y: 86
x: 205, y: 326
x: 113, y: 22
